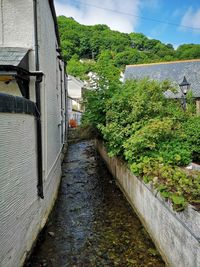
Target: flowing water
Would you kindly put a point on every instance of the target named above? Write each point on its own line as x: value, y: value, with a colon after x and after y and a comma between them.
x: 92, y: 224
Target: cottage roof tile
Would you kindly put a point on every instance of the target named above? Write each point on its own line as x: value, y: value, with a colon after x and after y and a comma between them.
x: 12, y: 56
x: 173, y: 71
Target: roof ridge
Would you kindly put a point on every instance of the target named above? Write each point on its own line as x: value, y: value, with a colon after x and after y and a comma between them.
x: 164, y: 62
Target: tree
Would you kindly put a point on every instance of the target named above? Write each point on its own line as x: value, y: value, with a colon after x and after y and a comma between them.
x: 130, y: 56
x: 95, y: 42
x: 188, y: 51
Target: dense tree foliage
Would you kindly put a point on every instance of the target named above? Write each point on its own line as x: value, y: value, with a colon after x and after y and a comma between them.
x: 188, y: 51
x: 89, y: 42
x: 153, y: 134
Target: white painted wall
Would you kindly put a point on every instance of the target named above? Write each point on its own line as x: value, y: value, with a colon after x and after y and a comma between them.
x: 75, y: 87
x: 16, y: 23
x: 18, y: 181
x: 22, y: 212
x: 51, y: 88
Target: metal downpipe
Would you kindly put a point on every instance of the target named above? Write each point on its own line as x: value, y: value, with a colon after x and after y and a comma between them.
x: 38, y: 105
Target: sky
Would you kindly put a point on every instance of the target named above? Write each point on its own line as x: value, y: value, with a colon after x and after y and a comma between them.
x: 170, y: 21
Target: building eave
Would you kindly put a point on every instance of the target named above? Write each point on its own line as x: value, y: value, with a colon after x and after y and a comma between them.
x: 53, y: 12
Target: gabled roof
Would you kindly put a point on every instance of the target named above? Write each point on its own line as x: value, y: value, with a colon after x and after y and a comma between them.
x: 173, y: 71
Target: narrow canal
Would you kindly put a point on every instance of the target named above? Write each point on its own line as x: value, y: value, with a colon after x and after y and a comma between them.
x: 92, y: 224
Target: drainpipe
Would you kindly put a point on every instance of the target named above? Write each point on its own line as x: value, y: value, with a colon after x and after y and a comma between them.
x: 61, y: 104
x: 38, y: 106
x: 66, y: 99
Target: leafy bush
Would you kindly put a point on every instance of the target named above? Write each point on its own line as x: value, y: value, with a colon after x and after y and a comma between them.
x: 80, y: 69
x: 153, y: 134
x: 173, y: 183
x: 148, y: 138
x: 175, y: 152
x: 192, y: 136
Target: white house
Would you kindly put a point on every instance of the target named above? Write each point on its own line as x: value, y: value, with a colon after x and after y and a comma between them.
x: 32, y: 123
x: 75, y: 98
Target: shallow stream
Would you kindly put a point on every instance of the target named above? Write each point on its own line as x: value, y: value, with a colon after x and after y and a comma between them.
x: 92, y: 224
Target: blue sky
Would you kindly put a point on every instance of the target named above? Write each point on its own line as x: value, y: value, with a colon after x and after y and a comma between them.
x: 138, y: 16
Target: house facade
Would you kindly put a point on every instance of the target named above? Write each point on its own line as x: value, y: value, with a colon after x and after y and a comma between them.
x: 173, y: 71
x: 75, y: 99
x: 33, y: 120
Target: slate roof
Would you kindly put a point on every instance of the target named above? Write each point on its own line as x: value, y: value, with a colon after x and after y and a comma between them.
x: 14, y: 56
x: 173, y: 71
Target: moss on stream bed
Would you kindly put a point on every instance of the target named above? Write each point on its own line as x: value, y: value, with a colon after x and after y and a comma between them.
x: 92, y: 224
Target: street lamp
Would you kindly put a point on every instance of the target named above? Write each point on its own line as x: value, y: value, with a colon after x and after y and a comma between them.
x: 184, y: 86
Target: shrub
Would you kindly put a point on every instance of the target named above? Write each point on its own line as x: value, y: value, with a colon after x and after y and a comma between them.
x: 172, y: 182
x: 192, y: 136
x: 148, y: 138
x: 152, y: 133
x: 175, y: 152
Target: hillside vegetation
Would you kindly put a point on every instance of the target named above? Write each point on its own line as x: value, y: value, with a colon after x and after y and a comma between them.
x: 94, y: 44
x: 151, y: 133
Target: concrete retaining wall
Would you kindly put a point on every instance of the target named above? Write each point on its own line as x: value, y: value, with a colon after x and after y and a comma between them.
x: 176, y: 235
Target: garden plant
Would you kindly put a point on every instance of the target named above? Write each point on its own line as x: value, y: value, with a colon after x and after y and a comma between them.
x: 151, y: 133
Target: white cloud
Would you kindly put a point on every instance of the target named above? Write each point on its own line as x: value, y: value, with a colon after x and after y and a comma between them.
x: 89, y: 15
x: 191, y: 19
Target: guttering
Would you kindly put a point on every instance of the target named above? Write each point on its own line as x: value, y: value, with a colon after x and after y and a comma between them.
x: 38, y: 105
x: 21, y: 76
x: 38, y: 74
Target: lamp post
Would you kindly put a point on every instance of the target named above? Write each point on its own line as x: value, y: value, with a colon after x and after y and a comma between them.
x: 184, y: 86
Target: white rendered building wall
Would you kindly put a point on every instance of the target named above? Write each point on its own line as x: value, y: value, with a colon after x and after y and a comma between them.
x: 22, y: 212
x: 16, y: 24
x: 18, y: 181
x: 51, y: 87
